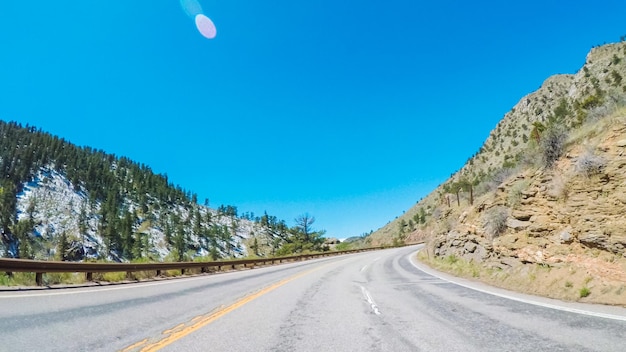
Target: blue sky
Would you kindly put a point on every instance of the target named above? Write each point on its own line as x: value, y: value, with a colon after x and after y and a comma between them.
x: 348, y: 110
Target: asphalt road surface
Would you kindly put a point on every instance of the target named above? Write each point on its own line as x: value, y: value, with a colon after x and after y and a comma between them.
x: 373, y: 301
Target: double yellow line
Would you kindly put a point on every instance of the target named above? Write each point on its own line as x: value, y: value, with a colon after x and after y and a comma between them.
x: 182, y: 330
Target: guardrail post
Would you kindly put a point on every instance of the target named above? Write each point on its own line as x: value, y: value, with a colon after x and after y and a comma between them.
x: 158, y: 273
x: 39, y: 279
x: 203, y: 269
x: 89, y: 277
x: 182, y: 271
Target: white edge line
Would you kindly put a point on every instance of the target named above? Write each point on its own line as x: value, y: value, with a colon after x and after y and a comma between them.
x: 513, y: 298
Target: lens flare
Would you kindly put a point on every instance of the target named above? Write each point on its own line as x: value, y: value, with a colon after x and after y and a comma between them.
x: 205, y: 26
x: 191, y: 7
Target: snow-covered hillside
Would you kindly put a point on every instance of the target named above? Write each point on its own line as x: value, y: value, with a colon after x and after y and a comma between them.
x: 55, y: 206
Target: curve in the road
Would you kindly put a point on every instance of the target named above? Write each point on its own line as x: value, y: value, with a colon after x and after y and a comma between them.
x: 585, y: 309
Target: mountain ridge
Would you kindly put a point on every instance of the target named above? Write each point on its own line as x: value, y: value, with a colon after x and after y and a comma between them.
x: 59, y: 201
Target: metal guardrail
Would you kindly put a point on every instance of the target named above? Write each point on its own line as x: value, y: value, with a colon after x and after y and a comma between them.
x: 41, y: 267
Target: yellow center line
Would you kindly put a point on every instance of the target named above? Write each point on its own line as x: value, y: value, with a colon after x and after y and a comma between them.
x: 203, y: 320
x: 177, y: 327
x: 136, y: 345
x: 197, y: 318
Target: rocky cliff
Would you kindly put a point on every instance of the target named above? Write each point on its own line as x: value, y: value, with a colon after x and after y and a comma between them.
x: 539, y: 208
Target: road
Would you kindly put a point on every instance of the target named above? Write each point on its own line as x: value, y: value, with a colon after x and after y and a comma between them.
x: 373, y: 301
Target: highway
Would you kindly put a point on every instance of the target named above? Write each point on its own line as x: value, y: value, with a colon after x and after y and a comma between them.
x: 372, y: 301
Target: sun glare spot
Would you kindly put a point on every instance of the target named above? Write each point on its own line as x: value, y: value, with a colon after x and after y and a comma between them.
x: 205, y: 26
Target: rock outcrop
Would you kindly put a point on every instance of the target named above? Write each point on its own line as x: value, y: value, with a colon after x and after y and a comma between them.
x: 518, y: 212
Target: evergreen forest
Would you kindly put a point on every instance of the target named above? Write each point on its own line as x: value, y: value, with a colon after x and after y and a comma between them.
x: 126, y: 212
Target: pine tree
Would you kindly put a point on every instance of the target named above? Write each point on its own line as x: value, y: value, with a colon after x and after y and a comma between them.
x: 180, y: 242
x: 82, y: 224
x: 127, y: 238
x: 255, y: 246
x: 62, y: 247
x: 22, y: 231
x: 422, y: 216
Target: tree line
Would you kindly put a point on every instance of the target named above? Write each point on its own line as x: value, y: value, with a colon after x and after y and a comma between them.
x: 125, y: 197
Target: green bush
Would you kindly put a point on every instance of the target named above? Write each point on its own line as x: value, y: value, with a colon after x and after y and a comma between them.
x: 343, y: 246
x: 17, y: 279
x: 591, y: 102
x: 452, y: 259
x: 616, y: 60
x: 584, y: 292
x: 617, y: 78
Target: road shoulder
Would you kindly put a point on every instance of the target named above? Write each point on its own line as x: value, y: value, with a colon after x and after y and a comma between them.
x: 596, y: 310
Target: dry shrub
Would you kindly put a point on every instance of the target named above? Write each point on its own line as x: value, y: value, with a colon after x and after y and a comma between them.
x: 589, y: 164
x: 515, y: 193
x: 553, y: 145
x: 558, y: 187
x: 495, y: 221
x: 492, y: 183
x: 599, y: 112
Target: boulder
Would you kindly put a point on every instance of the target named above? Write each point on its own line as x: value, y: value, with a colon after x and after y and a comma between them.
x: 529, y: 193
x: 516, y: 224
x: 521, y: 215
x: 541, y: 223
x: 470, y: 247
x: 480, y: 254
x: 565, y: 236
x: 594, y: 240
x: 331, y: 241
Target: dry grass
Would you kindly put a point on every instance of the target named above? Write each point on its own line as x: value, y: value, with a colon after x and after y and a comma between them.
x: 568, y: 281
x: 590, y: 130
x: 454, y: 265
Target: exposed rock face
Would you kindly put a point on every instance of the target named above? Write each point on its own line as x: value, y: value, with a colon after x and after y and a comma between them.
x: 589, y: 212
x: 568, y: 216
x: 563, y: 219
x: 466, y: 245
x: 604, y: 71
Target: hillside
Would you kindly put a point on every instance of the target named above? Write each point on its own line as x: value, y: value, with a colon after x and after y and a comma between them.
x: 538, y: 207
x: 60, y: 201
